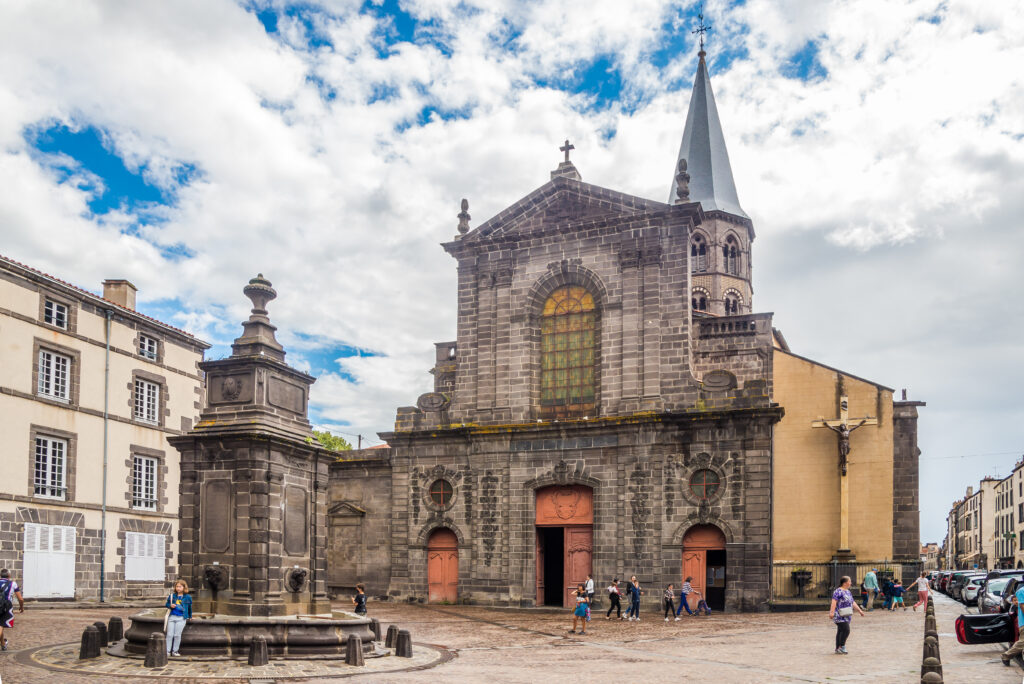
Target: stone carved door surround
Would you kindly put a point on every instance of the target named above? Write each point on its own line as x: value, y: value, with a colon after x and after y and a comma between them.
x: 571, y: 509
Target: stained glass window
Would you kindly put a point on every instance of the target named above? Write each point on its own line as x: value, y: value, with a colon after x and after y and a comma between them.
x: 568, y: 354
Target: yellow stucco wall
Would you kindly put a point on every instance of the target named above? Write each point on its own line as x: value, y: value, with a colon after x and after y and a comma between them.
x: 806, y: 479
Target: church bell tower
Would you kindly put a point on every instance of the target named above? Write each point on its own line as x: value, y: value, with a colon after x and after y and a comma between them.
x: 720, y: 263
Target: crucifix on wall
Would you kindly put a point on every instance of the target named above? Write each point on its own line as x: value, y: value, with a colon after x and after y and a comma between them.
x: 841, y: 427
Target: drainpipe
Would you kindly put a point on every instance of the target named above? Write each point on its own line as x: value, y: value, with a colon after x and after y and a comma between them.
x: 106, y: 421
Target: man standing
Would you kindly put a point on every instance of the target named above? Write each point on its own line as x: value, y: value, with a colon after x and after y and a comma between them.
x: 871, y: 582
x: 9, y: 589
x: 1018, y: 647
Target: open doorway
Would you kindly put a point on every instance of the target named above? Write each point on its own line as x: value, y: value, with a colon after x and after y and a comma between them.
x: 551, y: 544
x: 716, y: 579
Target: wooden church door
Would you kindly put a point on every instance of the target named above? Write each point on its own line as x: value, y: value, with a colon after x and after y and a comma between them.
x: 579, y: 549
x: 443, y: 567
x: 694, y: 566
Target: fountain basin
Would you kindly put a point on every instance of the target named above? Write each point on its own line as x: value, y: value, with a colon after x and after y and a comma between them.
x: 229, y: 636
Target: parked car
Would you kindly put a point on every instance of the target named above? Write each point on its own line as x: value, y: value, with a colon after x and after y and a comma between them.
x: 1012, y: 585
x: 990, y: 598
x: 943, y: 581
x: 986, y: 629
x: 960, y: 581
x: 969, y: 593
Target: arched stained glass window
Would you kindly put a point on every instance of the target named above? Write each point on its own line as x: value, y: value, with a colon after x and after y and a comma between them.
x: 568, y: 354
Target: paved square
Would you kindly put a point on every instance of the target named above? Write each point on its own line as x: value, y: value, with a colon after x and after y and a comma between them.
x: 494, y: 645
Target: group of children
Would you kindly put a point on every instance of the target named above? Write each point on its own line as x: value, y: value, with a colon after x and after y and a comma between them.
x: 892, y: 592
x: 584, y: 596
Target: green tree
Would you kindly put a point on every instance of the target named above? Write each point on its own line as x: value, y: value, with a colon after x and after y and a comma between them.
x: 331, y: 442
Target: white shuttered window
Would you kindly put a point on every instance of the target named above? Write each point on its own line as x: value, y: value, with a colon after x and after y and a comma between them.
x: 144, y: 556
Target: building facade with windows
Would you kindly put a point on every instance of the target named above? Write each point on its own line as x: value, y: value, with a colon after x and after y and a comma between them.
x: 611, y: 405
x: 1005, y: 532
x: 90, y: 390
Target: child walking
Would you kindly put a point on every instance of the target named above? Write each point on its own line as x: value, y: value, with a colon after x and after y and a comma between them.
x: 897, y: 592
x: 670, y: 608
x: 614, y: 597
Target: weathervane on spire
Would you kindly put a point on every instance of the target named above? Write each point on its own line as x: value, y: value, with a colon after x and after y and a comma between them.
x: 701, y: 28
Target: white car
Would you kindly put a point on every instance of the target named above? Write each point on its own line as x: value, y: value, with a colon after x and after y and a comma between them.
x: 970, y: 592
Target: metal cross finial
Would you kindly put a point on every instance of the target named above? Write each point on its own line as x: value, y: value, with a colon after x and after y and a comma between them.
x: 566, y: 147
x: 701, y: 27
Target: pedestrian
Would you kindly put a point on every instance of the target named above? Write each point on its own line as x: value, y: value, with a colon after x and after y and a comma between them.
x: 9, y: 590
x: 863, y: 594
x: 922, y: 590
x: 886, y: 593
x: 1017, y: 601
x: 896, y: 595
x: 590, y: 588
x: 359, y: 600
x: 684, y: 596
x: 613, y: 598
x: 670, y: 608
x: 841, y: 613
x: 579, y: 613
x: 180, y: 604
x: 871, y: 582
x: 634, y: 591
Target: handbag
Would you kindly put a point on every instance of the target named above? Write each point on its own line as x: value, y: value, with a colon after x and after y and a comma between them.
x: 846, y: 612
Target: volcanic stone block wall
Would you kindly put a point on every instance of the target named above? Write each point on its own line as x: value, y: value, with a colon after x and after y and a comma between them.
x: 906, y: 513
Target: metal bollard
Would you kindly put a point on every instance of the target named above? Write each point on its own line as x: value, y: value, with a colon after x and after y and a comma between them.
x: 354, y: 651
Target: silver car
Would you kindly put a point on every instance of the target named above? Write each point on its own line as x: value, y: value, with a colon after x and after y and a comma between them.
x: 990, y: 596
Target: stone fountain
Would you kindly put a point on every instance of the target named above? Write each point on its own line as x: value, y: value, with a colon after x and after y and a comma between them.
x: 253, y: 544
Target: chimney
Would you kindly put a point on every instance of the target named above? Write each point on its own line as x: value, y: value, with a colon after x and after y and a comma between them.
x: 120, y: 292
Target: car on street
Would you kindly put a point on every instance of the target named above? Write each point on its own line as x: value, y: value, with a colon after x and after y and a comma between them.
x: 942, y: 583
x: 990, y: 598
x: 960, y: 581
x: 969, y: 593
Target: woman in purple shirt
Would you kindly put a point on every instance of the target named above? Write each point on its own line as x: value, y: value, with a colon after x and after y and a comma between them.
x: 841, y: 613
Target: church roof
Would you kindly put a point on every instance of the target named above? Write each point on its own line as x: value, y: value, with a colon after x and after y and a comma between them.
x: 703, y: 147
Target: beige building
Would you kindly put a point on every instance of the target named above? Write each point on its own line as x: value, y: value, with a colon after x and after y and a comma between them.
x: 976, y: 527
x: 90, y: 390
x: 1005, y: 533
x: 930, y: 556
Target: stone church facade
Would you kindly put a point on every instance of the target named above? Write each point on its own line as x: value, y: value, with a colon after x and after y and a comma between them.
x: 608, y: 407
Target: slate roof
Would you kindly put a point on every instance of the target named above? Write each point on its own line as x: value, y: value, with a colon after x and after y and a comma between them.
x: 703, y: 147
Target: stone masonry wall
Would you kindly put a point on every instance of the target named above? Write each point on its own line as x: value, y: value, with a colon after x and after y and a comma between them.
x: 906, y: 513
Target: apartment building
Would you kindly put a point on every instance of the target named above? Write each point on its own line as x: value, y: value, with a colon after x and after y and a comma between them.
x: 90, y: 389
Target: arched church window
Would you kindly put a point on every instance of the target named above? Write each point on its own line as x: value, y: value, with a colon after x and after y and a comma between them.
x: 699, y: 301
x: 732, y: 303
x: 730, y: 259
x: 568, y: 354
x: 698, y: 254
x: 704, y: 483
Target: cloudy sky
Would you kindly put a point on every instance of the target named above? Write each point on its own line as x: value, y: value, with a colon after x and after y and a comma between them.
x: 877, y: 144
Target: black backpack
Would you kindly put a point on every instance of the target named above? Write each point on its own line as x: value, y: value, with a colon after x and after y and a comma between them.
x: 5, y: 602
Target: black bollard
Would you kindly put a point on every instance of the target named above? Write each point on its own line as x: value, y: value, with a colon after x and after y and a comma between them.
x: 90, y: 643
x: 258, y: 655
x: 115, y: 629
x: 156, y: 650
x: 101, y: 627
x: 403, y: 649
x: 354, y: 650
x: 375, y: 628
x: 392, y: 638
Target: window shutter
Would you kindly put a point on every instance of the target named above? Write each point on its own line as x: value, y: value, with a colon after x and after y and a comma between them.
x: 69, y: 539
x: 31, y: 537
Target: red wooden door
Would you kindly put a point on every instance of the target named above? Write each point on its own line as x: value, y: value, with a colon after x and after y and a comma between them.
x: 694, y: 566
x: 579, y: 550
x: 443, y: 567
x: 540, y: 568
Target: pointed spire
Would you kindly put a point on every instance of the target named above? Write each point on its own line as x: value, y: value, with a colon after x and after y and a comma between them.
x: 703, y: 148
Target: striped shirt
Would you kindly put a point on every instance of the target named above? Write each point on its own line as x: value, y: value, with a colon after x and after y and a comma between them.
x: 686, y: 588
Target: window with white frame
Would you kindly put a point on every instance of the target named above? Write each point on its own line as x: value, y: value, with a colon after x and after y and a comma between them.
x: 50, y: 466
x: 147, y: 401
x: 53, y: 375
x: 55, y: 313
x: 144, y: 482
x: 144, y: 556
x: 148, y: 347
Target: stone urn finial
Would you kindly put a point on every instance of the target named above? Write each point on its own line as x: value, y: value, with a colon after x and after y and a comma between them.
x: 682, y: 183
x: 464, y: 218
x: 260, y: 292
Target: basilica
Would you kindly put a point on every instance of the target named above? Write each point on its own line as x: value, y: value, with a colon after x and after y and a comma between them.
x: 612, y: 404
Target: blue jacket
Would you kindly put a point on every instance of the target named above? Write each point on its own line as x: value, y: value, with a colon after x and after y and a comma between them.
x: 186, y: 604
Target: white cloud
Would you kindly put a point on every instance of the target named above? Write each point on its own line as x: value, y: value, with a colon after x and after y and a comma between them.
x: 888, y: 189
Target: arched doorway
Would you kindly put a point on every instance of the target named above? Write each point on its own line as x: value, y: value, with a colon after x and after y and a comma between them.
x: 704, y: 560
x: 442, y: 566
x: 565, y: 541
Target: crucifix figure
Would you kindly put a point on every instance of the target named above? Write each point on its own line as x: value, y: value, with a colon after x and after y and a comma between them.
x: 842, y: 428
x: 566, y: 147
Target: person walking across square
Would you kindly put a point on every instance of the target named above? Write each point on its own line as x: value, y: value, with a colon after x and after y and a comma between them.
x: 614, y: 599
x: 871, y: 582
x: 684, y: 596
x: 841, y: 613
x: 667, y: 597
x: 9, y: 590
x: 922, y: 590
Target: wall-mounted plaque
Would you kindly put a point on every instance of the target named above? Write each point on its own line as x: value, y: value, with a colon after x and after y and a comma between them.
x: 296, y: 531
x: 236, y: 388
x: 215, y: 516
x: 286, y: 395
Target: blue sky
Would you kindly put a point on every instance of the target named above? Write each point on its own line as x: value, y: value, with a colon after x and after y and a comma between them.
x: 187, y: 146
